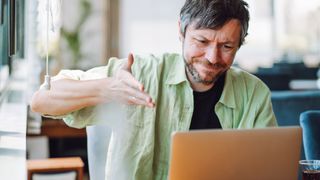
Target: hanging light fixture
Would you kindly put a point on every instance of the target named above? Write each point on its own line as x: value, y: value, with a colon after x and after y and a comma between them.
x: 47, y: 78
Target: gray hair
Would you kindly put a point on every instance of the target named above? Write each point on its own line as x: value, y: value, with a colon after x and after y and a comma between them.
x: 214, y: 14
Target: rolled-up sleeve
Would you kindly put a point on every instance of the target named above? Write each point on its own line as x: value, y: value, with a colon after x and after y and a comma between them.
x: 64, y: 74
x: 88, y: 115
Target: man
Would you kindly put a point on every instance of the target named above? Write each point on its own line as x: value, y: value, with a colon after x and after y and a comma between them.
x: 195, y: 90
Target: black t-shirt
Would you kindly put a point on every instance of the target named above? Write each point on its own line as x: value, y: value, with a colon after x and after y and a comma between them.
x: 204, y: 116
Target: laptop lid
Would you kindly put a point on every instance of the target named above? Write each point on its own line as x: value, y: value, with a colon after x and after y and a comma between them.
x: 251, y: 154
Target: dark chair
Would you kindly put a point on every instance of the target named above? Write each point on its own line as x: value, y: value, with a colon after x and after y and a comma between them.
x: 288, y: 105
x: 310, y: 123
x: 275, y: 82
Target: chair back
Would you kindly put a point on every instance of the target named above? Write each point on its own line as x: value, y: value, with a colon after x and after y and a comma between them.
x: 310, y: 123
x: 288, y: 105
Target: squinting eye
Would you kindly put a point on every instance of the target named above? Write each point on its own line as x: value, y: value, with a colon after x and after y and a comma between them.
x: 202, y: 41
x: 227, y: 47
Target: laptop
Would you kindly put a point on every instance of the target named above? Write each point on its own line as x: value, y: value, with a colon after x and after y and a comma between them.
x: 250, y: 154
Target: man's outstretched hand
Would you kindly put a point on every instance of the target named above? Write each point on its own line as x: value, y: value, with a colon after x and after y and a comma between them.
x: 125, y: 88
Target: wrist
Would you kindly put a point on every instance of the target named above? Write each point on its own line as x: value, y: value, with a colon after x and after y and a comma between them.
x: 103, y: 90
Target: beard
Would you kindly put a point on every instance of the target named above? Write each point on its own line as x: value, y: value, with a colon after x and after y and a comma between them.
x: 212, y: 77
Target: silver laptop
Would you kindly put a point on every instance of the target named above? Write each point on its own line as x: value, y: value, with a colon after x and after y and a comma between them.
x: 252, y: 154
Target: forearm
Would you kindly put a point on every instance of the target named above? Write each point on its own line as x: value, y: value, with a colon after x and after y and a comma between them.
x: 66, y: 96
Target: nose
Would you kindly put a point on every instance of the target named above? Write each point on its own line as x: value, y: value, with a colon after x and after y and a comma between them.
x: 212, y: 54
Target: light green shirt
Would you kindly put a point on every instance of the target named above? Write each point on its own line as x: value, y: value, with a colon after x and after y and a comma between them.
x: 140, y: 144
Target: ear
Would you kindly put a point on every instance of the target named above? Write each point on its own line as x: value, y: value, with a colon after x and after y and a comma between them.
x: 181, y: 37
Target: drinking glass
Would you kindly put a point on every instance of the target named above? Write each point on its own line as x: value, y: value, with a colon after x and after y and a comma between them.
x: 310, y: 169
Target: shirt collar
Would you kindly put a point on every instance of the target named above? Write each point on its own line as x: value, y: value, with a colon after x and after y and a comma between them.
x: 228, y: 97
x: 177, y: 73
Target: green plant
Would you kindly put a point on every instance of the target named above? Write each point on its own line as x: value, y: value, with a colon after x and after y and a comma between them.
x: 73, y: 38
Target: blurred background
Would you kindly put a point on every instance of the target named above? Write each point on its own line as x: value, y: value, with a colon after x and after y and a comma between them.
x: 282, y: 48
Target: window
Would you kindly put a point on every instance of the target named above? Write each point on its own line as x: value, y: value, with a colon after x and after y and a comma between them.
x: 11, y: 37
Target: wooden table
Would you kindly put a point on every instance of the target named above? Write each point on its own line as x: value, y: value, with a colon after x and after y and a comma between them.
x: 54, y: 128
x: 55, y: 165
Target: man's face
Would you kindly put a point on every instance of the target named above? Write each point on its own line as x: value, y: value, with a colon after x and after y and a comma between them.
x: 209, y: 53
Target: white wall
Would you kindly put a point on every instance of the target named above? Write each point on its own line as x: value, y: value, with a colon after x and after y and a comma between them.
x: 149, y: 26
x: 258, y: 49
x: 291, y: 31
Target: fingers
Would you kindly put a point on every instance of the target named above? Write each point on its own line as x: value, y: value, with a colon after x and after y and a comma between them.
x: 136, y: 101
x: 130, y: 61
x: 129, y: 80
x: 132, y: 89
x: 137, y: 97
x: 128, y: 76
x: 128, y: 64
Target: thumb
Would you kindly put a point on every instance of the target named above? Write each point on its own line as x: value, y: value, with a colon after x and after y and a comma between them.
x: 129, y: 63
